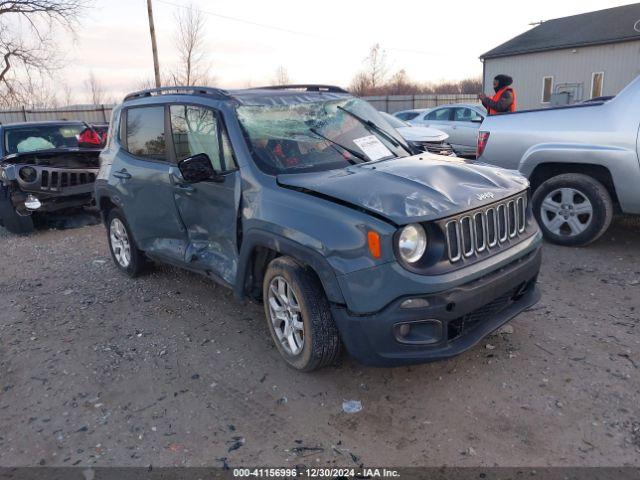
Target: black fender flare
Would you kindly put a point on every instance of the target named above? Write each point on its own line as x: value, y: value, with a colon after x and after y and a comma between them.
x: 284, y: 246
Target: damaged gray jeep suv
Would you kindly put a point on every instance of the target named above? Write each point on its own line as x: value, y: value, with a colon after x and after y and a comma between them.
x: 304, y: 197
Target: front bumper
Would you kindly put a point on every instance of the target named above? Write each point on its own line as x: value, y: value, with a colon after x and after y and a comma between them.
x: 50, y: 202
x: 454, y: 320
x: 55, y: 188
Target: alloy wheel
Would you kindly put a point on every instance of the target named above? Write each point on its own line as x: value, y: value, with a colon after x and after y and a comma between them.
x: 566, y: 212
x: 286, y: 316
x: 120, y: 244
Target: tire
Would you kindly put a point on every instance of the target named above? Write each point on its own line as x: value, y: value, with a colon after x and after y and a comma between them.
x: 10, y: 219
x: 572, y: 209
x: 124, y: 252
x: 318, y: 342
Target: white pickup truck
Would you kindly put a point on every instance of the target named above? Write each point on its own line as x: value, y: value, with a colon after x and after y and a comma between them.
x: 582, y: 161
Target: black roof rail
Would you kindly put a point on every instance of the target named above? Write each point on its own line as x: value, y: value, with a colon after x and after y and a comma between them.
x: 179, y: 90
x: 306, y: 88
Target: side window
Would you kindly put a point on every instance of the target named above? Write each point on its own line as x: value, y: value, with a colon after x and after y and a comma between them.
x: 114, y: 126
x: 597, y: 80
x: 122, y: 128
x: 547, y: 89
x: 406, y: 116
x: 145, y: 132
x: 441, y: 115
x: 227, y: 151
x: 466, y: 115
x: 195, y: 130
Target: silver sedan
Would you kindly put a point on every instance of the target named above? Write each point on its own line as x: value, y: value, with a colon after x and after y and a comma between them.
x: 460, y: 121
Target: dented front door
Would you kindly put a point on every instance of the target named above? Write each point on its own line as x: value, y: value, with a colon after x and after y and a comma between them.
x: 209, y: 210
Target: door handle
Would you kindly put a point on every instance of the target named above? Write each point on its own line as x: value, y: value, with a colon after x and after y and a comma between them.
x: 122, y: 174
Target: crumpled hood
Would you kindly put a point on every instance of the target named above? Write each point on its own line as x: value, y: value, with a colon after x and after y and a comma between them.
x: 413, y: 189
x: 64, y: 158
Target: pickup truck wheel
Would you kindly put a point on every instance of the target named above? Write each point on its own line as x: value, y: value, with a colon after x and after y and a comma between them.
x: 126, y: 255
x: 572, y: 209
x: 298, y: 316
x: 10, y: 219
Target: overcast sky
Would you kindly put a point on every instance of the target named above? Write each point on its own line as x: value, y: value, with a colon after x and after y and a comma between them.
x: 323, y: 42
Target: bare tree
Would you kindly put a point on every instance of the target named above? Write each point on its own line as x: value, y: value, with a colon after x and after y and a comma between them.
x: 401, y: 84
x: 281, y: 76
x: 376, y: 66
x: 96, y: 90
x: 471, y: 85
x: 361, y: 85
x: 28, y: 53
x: 67, y: 95
x: 192, y: 68
x: 372, y: 78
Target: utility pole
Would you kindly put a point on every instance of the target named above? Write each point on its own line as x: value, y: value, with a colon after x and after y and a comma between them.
x: 154, y: 45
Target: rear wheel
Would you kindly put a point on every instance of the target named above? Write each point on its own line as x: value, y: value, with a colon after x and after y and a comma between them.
x: 299, y: 316
x: 10, y: 219
x: 572, y: 209
x: 126, y: 255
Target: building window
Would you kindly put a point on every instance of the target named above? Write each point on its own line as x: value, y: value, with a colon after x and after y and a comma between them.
x: 597, y: 80
x: 547, y: 89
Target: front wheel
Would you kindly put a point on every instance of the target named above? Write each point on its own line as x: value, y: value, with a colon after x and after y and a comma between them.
x: 126, y: 255
x: 572, y: 209
x: 299, y: 316
x: 10, y: 219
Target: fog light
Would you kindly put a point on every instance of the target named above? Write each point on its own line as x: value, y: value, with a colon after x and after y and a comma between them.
x: 419, y: 332
x: 415, y: 303
x: 404, y: 330
x: 32, y: 203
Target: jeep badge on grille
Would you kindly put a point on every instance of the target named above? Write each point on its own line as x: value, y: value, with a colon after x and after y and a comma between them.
x: 485, y: 195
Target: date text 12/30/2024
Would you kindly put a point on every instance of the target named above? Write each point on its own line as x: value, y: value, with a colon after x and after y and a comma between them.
x: 315, y: 473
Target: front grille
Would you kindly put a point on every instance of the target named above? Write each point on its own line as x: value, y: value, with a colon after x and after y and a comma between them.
x: 439, y: 148
x: 487, y: 228
x: 54, y: 179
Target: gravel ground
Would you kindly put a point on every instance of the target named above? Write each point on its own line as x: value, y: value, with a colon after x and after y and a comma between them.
x: 169, y: 369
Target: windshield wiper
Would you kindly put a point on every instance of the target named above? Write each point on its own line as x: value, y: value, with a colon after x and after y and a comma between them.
x: 378, y: 129
x: 346, y: 149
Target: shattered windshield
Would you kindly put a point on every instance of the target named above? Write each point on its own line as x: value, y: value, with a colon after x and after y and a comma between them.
x: 315, y: 136
x: 41, y: 137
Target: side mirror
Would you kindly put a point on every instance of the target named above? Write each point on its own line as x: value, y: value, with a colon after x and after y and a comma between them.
x: 197, y: 168
x: 477, y: 119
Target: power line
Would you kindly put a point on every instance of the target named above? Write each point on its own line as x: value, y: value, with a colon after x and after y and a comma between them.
x: 281, y: 29
x: 241, y: 20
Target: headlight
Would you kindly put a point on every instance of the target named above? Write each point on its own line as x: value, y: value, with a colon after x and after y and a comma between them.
x: 412, y: 243
x: 28, y: 174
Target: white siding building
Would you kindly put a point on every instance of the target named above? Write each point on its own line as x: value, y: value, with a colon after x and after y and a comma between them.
x: 570, y: 59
